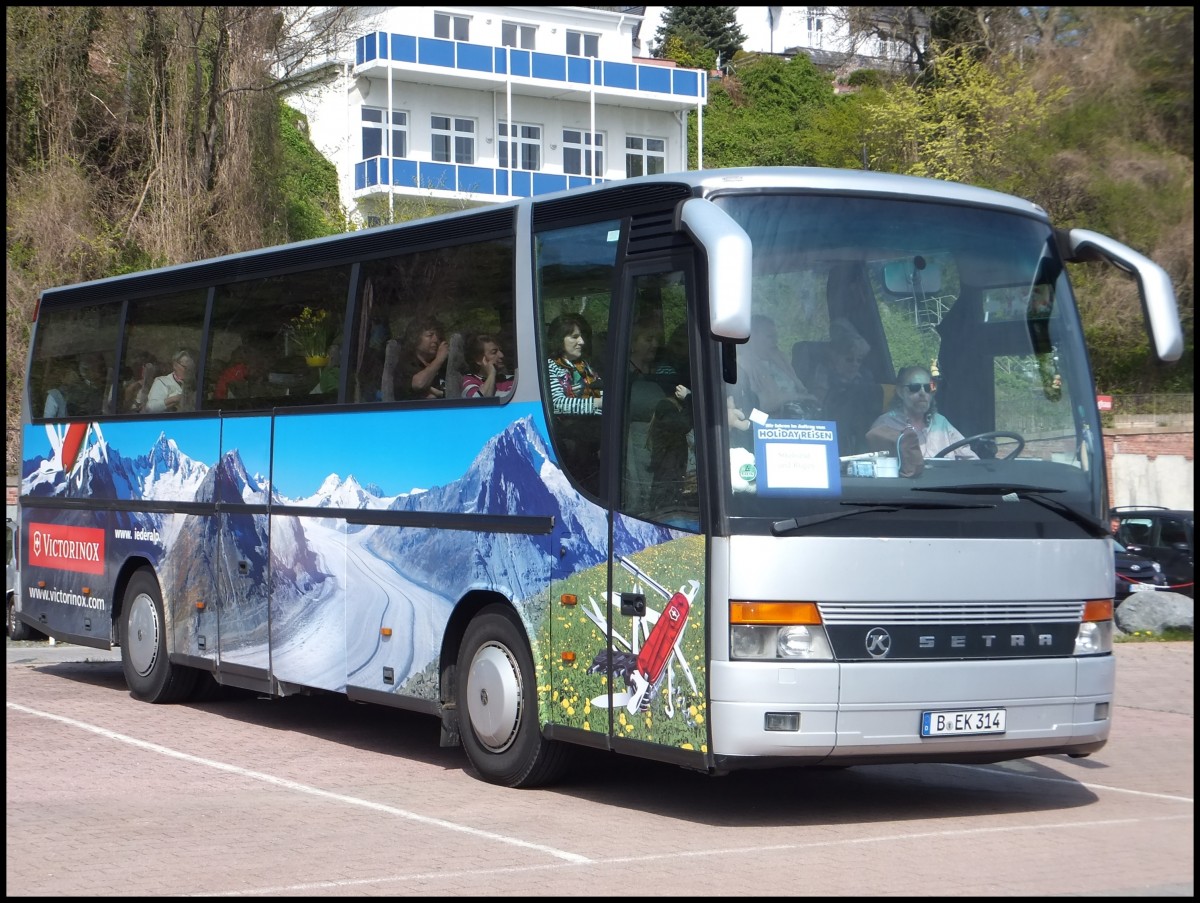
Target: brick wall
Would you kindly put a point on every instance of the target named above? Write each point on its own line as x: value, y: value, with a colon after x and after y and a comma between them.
x: 1150, y: 468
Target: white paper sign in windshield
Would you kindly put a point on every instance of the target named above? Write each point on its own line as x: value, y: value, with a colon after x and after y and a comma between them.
x: 797, y: 457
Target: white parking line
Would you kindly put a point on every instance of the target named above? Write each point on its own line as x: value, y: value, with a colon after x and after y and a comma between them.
x: 304, y: 788
x: 569, y: 859
x: 1006, y: 769
x: 683, y: 854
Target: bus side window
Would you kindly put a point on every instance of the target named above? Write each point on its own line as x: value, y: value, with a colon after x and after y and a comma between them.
x: 419, y: 306
x: 155, y: 330
x: 288, y: 329
x: 576, y: 397
x: 82, y: 341
x: 659, y: 471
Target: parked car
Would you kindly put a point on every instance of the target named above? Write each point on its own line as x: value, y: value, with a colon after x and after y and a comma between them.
x: 17, y: 630
x: 1135, y: 573
x: 1165, y: 535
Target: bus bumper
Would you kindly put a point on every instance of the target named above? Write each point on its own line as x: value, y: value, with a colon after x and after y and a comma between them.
x: 866, y: 712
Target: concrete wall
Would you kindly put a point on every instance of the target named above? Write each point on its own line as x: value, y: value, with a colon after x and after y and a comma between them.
x: 1150, y: 468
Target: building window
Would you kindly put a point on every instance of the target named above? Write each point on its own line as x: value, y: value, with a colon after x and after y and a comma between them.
x: 815, y: 14
x: 577, y: 152
x: 373, y: 133
x: 524, y: 144
x: 447, y: 26
x: 580, y: 44
x: 453, y: 139
x: 521, y: 36
x: 645, y: 156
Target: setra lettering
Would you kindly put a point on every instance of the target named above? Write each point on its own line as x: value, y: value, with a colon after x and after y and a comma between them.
x: 959, y: 641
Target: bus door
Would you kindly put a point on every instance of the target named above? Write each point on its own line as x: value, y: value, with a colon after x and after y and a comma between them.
x: 656, y: 598
x: 243, y: 539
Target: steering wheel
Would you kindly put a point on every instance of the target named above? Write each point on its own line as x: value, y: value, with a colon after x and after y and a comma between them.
x: 1016, y: 437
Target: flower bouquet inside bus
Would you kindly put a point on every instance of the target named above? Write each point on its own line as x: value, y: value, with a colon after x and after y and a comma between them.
x: 308, y: 335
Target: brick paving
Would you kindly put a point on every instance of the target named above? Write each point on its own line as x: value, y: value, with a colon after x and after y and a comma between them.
x: 315, y: 796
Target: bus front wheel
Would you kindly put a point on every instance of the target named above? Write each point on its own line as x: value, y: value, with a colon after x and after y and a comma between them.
x: 497, y: 704
x: 148, y: 672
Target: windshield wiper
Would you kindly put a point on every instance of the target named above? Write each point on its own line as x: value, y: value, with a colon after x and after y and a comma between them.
x: 782, y: 527
x: 1035, y: 494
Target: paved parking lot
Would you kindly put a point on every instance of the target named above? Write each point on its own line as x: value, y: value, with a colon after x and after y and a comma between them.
x: 318, y: 796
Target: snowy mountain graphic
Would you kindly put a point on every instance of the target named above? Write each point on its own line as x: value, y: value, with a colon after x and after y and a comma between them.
x: 513, y: 474
x: 295, y: 595
x: 164, y: 473
x: 338, y: 493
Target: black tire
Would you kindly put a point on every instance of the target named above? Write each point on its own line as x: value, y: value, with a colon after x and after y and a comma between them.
x: 496, y: 697
x: 18, y: 630
x: 209, y: 689
x: 148, y: 672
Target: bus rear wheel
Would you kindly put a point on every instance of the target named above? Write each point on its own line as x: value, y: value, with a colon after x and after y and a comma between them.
x: 148, y: 671
x: 496, y: 695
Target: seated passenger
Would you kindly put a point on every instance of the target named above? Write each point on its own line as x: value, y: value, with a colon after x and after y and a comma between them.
x: 418, y: 371
x: 649, y: 370
x: 174, y: 391
x: 771, y: 385
x: 847, y: 391
x: 234, y: 381
x: 62, y: 379
x: 484, y: 373
x: 669, y: 448
x: 646, y: 390
x: 140, y: 370
x: 92, y: 393
x: 575, y: 388
x: 914, y: 415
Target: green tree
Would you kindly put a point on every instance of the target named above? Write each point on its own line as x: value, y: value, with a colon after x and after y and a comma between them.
x: 147, y: 136
x: 964, y: 127
x: 308, y: 182
x: 760, y: 114
x: 696, y: 29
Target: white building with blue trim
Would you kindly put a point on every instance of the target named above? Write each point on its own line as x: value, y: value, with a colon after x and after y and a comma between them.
x: 477, y: 104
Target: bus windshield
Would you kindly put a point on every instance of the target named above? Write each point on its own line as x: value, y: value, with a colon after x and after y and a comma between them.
x: 921, y: 363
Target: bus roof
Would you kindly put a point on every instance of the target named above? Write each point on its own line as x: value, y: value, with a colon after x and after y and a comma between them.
x: 441, y: 227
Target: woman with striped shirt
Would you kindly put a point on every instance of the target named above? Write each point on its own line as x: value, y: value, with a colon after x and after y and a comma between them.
x: 574, y: 385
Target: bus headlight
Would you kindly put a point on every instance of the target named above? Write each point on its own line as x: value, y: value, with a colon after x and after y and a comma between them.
x: 752, y: 642
x: 777, y: 630
x: 1094, y: 638
x: 802, y: 641
x: 1096, y: 631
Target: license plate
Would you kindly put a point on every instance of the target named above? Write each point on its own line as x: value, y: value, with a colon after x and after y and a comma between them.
x: 962, y: 723
x: 1143, y: 588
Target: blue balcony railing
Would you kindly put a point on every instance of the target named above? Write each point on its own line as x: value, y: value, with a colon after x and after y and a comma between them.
x: 659, y: 81
x: 380, y: 172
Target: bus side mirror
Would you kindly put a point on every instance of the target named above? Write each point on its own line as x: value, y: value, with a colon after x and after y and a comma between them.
x: 721, y: 238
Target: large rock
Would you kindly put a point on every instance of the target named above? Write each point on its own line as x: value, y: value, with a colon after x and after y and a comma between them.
x: 1155, y: 612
